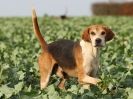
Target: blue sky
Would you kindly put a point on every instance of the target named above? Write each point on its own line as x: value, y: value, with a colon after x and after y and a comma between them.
x: 50, y: 7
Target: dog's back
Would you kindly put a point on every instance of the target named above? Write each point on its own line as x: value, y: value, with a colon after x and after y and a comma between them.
x: 62, y: 52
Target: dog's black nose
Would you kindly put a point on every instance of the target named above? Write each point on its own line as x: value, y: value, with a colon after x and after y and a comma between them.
x: 98, y: 40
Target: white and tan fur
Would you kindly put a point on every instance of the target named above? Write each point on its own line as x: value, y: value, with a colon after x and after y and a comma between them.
x: 90, y: 57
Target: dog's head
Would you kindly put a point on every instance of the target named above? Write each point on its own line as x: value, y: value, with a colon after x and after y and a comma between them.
x: 97, y: 35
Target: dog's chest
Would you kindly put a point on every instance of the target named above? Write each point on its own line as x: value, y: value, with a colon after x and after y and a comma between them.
x: 89, y: 60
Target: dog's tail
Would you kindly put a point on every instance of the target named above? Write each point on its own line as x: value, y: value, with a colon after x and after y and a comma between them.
x: 37, y: 31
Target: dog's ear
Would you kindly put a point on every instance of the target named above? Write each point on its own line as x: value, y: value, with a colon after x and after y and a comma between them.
x: 109, y: 34
x: 86, y: 35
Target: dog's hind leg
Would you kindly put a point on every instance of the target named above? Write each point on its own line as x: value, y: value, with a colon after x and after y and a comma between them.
x: 46, y: 64
x: 63, y: 77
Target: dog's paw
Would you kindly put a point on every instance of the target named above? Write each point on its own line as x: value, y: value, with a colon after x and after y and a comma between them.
x: 43, y: 85
x: 91, y: 80
x: 95, y: 81
x: 86, y: 86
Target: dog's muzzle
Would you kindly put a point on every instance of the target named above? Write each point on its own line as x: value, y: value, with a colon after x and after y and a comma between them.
x: 98, y: 42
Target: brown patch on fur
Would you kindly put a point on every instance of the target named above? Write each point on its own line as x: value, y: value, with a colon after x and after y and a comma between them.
x: 86, y: 35
x: 109, y: 34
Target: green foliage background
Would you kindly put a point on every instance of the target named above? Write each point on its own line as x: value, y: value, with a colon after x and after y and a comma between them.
x: 19, y: 49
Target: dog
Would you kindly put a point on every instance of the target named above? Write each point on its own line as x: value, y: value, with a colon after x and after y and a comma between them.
x: 75, y: 59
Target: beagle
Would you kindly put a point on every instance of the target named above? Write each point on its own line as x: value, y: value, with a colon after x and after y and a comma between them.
x: 68, y: 58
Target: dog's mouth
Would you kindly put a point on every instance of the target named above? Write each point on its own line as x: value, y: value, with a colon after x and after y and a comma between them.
x: 98, y: 45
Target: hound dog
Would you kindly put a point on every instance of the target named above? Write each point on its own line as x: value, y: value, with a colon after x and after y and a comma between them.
x: 75, y: 59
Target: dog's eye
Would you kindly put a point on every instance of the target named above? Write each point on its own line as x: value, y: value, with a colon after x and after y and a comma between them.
x: 103, y: 33
x: 92, y: 33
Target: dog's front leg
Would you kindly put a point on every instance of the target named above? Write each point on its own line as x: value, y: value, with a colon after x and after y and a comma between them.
x: 91, y: 80
x: 84, y: 78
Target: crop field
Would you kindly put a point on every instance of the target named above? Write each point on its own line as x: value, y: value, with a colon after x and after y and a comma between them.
x: 19, y: 49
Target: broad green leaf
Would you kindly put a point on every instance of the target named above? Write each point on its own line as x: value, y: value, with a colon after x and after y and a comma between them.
x: 68, y: 97
x: 18, y: 87
x: 1, y: 94
x: 130, y: 93
x: 110, y: 86
x: 21, y: 75
x: 45, y: 96
x: 7, y: 91
x: 29, y: 89
x: 73, y: 89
